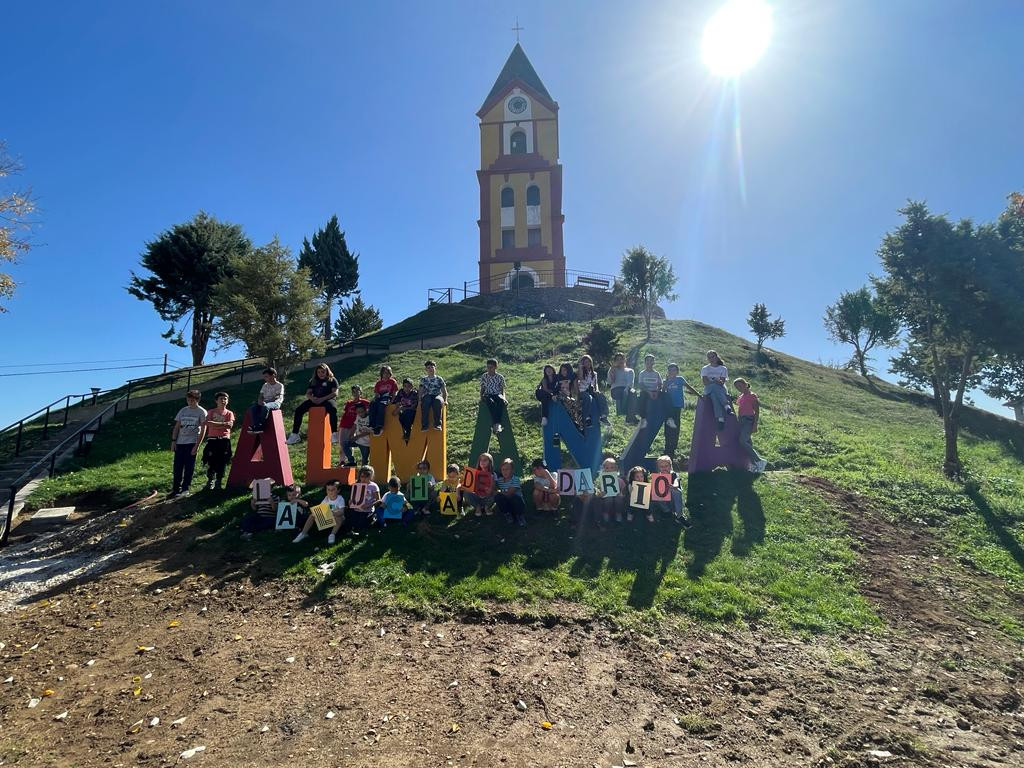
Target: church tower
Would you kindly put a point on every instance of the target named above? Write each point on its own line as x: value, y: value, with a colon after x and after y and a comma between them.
x: 520, y: 182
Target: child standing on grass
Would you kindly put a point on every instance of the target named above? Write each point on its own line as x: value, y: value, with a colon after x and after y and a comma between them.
x: 609, y: 504
x: 270, y: 398
x: 676, y: 502
x: 334, y: 500
x: 359, y: 513
x: 750, y: 413
x: 348, y: 416
x: 433, y: 396
x: 217, y: 451
x: 360, y: 437
x: 674, y: 387
x: 384, y: 390
x: 545, y: 493
x: 492, y: 393
x: 422, y: 507
x: 714, y: 375
x: 394, y: 499
x: 620, y: 385
x: 481, y: 498
x: 187, y: 434
x: 636, y: 475
x: 510, y: 494
x: 649, y: 384
x: 406, y: 402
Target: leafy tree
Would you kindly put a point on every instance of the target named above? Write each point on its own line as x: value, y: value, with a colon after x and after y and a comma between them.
x: 187, y: 263
x: 956, y: 289
x: 646, y: 279
x: 1004, y: 377
x: 15, y: 209
x: 333, y: 270
x: 863, y: 320
x: 357, y: 319
x: 270, y: 306
x: 763, y: 327
x: 600, y: 343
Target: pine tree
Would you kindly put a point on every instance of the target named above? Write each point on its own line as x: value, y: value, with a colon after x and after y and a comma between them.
x: 333, y: 270
x: 357, y: 319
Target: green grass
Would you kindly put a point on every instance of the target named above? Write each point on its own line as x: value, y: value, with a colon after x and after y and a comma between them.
x: 769, y: 551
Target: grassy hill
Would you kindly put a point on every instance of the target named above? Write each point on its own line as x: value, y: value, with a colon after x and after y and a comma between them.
x: 782, y: 550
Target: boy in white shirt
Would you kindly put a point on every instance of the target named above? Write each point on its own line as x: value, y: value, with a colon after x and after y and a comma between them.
x: 714, y: 375
x: 270, y: 398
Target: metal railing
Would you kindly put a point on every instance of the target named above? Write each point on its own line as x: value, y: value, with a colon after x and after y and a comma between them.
x: 196, y: 374
x: 84, y: 433
x: 53, y: 416
x: 524, y: 279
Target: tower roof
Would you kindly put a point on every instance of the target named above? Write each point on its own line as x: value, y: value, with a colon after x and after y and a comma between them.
x: 517, y: 67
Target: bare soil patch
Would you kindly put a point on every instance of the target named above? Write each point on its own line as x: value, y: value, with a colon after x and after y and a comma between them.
x: 256, y: 668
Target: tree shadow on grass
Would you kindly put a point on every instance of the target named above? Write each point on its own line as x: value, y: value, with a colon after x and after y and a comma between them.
x: 1002, y: 532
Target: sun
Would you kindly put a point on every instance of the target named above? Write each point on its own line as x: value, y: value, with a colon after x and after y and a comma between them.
x: 736, y: 36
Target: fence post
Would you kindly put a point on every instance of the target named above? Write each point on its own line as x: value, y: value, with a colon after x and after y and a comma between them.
x: 128, y: 397
x: 17, y: 445
x: 241, y: 373
x: 10, y: 516
x: 67, y: 405
x: 465, y: 286
x: 46, y: 423
x: 188, y: 383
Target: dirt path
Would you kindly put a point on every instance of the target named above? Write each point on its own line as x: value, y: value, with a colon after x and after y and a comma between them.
x: 256, y: 670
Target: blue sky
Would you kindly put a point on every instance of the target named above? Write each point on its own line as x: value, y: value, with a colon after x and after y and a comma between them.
x: 130, y: 117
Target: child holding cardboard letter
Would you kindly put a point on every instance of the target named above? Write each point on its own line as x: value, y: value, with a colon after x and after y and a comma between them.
x: 482, y: 494
x: 392, y: 505
x: 609, y: 491
x: 545, y: 490
x: 638, y: 493
x: 421, y: 489
x: 335, y: 504
x: 675, y: 501
x: 363, y: 499
x: 262, y: 514
x: 453, y: 485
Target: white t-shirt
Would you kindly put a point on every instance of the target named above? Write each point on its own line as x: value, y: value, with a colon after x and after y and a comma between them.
x: 715, y: 372
x: 336, y: 504
x: 272, y: 393
x: 587, y: 380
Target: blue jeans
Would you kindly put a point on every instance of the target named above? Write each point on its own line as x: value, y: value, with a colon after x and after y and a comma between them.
x: 719, y: 399
x: 746, y: 442
x: 589, y: 401
x: 364, y: 451
x: 184, y: 467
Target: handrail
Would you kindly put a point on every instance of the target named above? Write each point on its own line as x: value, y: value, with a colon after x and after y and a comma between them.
x: 51, y: 457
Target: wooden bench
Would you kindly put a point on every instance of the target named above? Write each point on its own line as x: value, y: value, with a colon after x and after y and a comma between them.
x: 593, y: 282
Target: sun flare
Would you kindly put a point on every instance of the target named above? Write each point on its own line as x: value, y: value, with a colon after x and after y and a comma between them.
x: 736, y: 37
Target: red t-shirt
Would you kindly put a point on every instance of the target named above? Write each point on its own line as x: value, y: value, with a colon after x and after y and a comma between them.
x: 218, y: 422
x: 746, y: 403
x: 385, y: 385
x: 348, y: 415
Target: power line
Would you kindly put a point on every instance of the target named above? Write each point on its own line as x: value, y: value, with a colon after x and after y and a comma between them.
x: 83, y: 370
x: 79, y: 362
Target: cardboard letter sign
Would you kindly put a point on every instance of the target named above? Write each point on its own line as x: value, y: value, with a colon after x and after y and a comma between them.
x: 609, y: 484
x: 469, y: 480
x: 567, y: 482
x: 285, y: 516
x: 393, y: 507
x: 661, y: 486
x: 322, y: 516
x: 640, y: 496
x: 448, y: 505
x: 584, y: 481
x: 419, y: 488
x: 360, y: 492
x: 261, y: 488
x: 484, y: 483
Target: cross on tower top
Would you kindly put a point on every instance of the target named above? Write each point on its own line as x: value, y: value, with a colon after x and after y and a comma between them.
x: 517, y: 29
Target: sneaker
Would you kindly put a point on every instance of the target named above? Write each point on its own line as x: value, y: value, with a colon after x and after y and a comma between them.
x: 336, y: 438
x: 377, y: 430
x: 489, y: 510
x: 521, y: 521
x: 629, y: 517
x: 300, y: 537
x: 292, y: 439
x: 605, y: 421
x: 618, y: 517
x: 761, y: 466
x: 478, y: 512
x: 331, y: 539
x: 543, y: 421
x: 671, y: 424
x: 632, y: 421
x: 185, y: 493
x: 498, y: 428
x: 643, y: 423
x: 173, y: 495
x: 683, y: 520
x: 246, y: 535
x: 588, y: 422
x: 438, y: 427
x: 209, y: 484
x: 424, y: 428
x: 650, y: 517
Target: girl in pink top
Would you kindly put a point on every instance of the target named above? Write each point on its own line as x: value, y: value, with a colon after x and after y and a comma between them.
x: 217, y: 451
x: 749, y: 408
